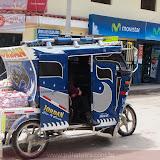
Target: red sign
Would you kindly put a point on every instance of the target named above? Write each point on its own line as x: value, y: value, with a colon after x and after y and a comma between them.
x: 29, y: 5
x: 153, y: 61
x: 37, y: 5
x: 140, y: 52
x: 140, y: 55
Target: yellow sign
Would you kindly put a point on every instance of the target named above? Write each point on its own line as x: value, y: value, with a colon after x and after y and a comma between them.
x: 111, y: 39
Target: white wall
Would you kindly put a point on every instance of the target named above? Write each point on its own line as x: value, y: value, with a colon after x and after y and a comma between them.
x: 128, y: 9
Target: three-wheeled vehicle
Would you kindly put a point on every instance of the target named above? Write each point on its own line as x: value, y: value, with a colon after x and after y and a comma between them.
x: 40, y: 69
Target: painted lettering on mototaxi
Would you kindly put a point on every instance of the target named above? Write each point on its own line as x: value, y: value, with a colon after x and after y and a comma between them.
x: 54, y: 112
x: 104, y: 115
x: 12, y: 53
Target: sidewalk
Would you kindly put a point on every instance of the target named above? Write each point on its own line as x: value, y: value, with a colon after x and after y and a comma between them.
x: 144, y: 88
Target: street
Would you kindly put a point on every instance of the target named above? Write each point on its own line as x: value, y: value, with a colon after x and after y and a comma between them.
x: 143, y: 144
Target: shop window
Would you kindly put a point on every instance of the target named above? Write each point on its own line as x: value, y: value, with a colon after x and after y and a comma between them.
x: 102, y: 1
x: 148, y: 4
x: 50, y: 69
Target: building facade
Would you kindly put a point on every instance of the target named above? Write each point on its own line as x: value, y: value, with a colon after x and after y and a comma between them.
x: 137, y: 21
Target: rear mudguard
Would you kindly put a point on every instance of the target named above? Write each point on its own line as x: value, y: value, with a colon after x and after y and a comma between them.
x: 18, y: 122
x: 23, y: 119
x: 127, y: 104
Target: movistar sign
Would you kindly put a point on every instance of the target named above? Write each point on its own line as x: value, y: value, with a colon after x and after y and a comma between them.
x: 119, y: 27
x: 156, y: 32
x: 153, y: 31
x: 116, y: 28
x: 109, y: 26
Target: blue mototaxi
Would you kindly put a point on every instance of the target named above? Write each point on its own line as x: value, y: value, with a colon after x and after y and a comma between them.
x: 40, y: 69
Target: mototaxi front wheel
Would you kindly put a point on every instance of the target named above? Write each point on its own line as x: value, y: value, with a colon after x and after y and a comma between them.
x: 128, y: 121
x: 26, y: 140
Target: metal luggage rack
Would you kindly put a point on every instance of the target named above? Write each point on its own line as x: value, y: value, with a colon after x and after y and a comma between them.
x: 9, y: 115
x: 70, y: 41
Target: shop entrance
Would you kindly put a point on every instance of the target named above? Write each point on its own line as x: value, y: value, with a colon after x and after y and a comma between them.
x: 8, y: 40
x: 146, y: 64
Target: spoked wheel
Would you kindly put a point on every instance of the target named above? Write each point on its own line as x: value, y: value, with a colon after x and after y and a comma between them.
x: 27, y: 140
x: 128, y: 122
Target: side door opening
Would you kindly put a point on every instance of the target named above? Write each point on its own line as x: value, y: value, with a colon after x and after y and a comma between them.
x: 79, y: 79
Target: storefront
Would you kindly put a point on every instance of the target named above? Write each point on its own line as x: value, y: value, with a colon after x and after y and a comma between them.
x: 151, y: 53
x: 12, y: 23
x: 144, y: 35
x: 33, y: 23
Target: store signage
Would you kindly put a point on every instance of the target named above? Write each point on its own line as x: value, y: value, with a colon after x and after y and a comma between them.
x: 89, y: 36
x: 140, y: 55
x: 47, y: 33
x: 12, y: 22
x: 152, y: 31
x: 109, y: 26
x: 111, y: 39
x: 29, y: 5
x: 37, y: 5
x: 13, y: 4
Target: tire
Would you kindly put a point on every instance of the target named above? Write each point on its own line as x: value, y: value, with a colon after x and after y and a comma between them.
x: 128, y: 122
x: 23, y: 147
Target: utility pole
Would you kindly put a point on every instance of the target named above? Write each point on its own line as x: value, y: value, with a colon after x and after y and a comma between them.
x: 68, y: 18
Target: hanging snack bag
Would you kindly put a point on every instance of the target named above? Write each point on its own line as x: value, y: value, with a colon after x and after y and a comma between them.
x: 6, y: 85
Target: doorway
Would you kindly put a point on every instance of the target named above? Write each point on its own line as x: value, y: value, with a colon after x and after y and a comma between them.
x: 146, y: 64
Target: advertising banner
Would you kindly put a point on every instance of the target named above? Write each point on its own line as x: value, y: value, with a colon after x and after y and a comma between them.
x: 37, y: 5
x: 111, y: 39
x: 140, y: 55
x: 12, y: 22
x: 29, y: 5
x: 47, y: 33
x: 109, y: 26
x: 154, y: 61
x: 13, y: 4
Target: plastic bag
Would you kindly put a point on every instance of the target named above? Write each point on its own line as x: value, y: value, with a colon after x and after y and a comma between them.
x: 13, y: 99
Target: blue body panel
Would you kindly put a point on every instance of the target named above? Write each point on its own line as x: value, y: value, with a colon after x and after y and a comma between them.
x: 99, y: 87
x: 53, y: 92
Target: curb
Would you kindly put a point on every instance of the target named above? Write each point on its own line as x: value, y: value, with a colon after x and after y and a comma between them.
x: 144, y: 91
